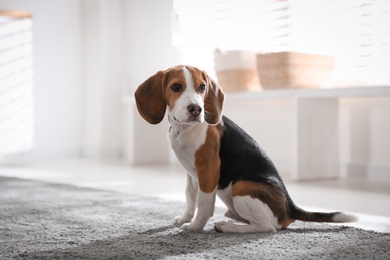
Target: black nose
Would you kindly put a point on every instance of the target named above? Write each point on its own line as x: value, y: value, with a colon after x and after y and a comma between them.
x: 194, y: 109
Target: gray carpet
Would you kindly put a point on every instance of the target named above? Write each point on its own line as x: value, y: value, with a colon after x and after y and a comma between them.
x: 49, y: 221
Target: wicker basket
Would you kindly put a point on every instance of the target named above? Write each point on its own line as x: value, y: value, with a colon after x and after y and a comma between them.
x: 236, y: 70
x: 238, y: 80
x: 294, y: 70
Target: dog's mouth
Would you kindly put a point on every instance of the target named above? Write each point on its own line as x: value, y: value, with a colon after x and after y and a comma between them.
x: 194, y: 119
x: 175, y: 119
x: 190, y: 120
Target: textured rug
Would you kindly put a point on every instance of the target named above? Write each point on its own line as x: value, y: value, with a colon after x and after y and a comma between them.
x: 51, y: 221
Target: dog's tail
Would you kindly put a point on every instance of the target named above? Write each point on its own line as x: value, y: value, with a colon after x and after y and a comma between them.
x: 332, y: 217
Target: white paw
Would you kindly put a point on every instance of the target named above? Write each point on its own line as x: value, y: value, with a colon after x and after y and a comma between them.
x: 226, y: 227
x: 218, y: 226
x: 193, y: 226
x: 180, y: 220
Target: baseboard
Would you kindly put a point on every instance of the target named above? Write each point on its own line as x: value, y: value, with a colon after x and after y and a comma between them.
x: 15, y: 159
x: 98, y: 153
x: 366, y: 171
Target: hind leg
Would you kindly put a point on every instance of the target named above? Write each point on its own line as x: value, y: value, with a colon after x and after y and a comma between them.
x: 257, y: 213
x: 226, y: 196
x: 234, y: 215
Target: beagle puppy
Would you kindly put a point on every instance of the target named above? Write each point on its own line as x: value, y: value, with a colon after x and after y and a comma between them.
x: 219, y: 157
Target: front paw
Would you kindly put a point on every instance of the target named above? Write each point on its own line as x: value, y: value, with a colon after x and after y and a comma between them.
x: 180, y: 220
x: 193, y: 226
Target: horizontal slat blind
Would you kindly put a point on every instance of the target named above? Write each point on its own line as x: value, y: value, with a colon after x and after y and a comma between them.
x: 355, y: 32
x: 260, y: 25
x: 16, y: 84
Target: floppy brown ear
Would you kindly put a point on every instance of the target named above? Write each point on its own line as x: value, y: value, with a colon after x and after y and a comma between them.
x: 213, y: 103
x: 150, y: 99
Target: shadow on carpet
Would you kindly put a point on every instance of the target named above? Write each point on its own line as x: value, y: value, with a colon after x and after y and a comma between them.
x: 52, y: 221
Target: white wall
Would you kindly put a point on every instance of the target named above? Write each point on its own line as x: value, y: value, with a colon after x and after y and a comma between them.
x: 103, y: 78
x: 147, y: 49
x: 57, y: 75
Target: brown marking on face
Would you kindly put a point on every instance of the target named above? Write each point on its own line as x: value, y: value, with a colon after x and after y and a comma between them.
x: 208, y: 162
x: 198, y: 77
x: 274, y: 198
x: 155, y: 94
x: 175, y: 75
x: 212, y: 96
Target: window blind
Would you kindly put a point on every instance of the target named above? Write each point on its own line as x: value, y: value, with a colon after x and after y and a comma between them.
x: 16, y: 85
x: 355, y: 32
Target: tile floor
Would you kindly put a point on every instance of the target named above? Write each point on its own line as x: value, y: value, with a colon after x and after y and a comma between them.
x: 368, y: 199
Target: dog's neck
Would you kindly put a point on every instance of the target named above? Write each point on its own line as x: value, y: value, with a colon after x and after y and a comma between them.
x: 178, y: 128
x: 185, y: 140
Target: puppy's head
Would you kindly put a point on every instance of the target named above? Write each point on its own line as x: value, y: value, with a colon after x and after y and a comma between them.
x: 189, y: 93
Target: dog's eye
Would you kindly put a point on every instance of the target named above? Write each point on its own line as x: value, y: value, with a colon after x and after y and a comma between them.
x: 202, y: 88
x: 176, y: 87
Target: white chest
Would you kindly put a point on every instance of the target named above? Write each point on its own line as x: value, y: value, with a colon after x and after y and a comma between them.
x: 185, y: 141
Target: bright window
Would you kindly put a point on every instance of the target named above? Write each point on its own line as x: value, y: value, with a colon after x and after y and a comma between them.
x: 16, y: 83
x: 355, y: 32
